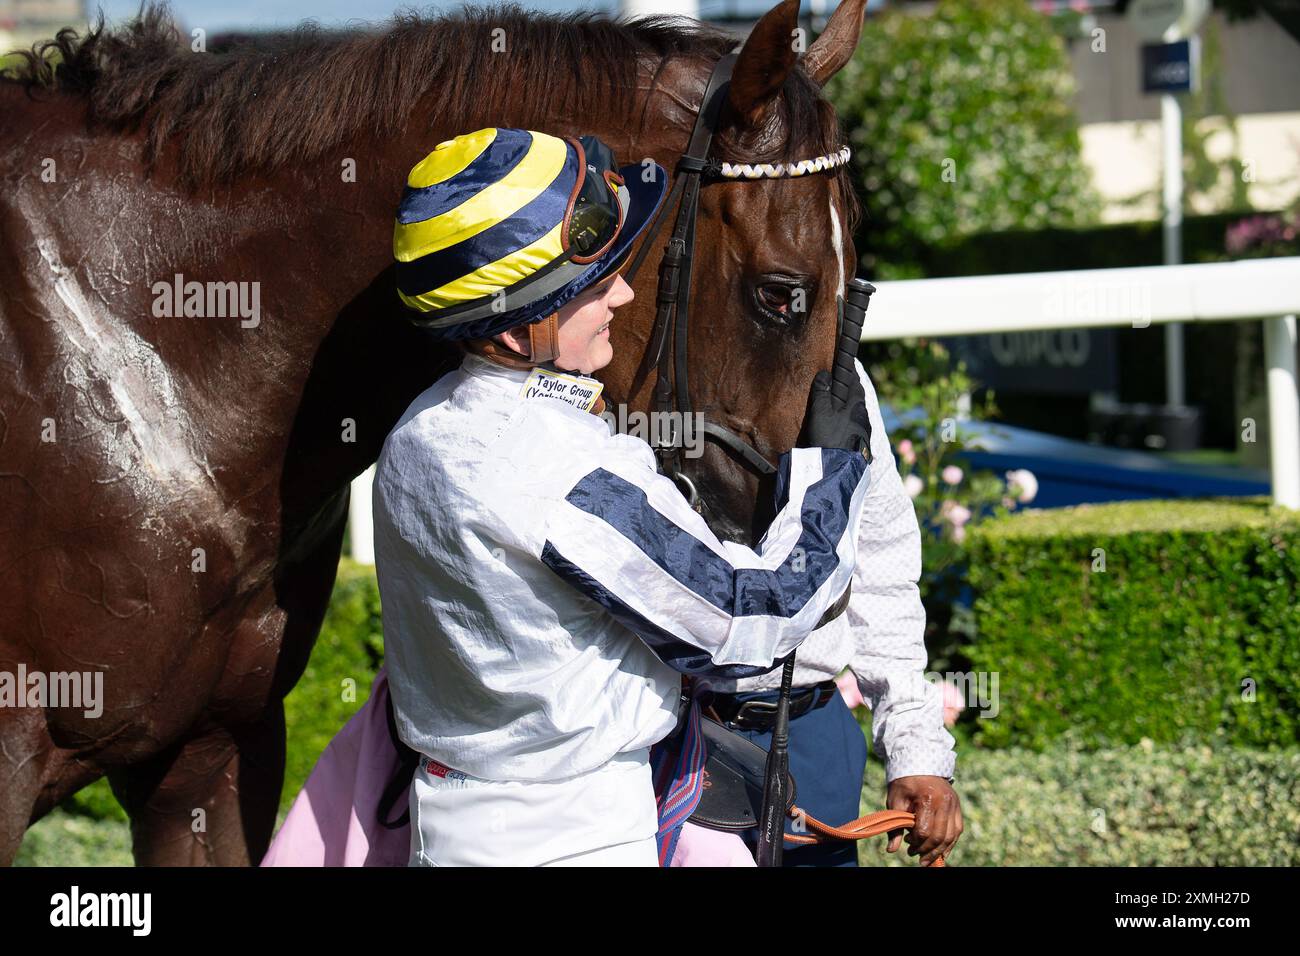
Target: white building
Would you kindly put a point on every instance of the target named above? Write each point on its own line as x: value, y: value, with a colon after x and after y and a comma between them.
x: 1120, y: 126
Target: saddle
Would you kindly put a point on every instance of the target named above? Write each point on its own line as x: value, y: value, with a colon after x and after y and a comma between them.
x: 732, y: 797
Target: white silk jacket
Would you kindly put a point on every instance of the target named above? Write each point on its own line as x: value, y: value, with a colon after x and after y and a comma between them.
x: 544, y: 587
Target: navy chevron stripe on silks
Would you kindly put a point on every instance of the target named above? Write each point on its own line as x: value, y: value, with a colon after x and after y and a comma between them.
x: 518, y: 230
x: 676, y: 653
x: 740, y: 592
x: 504, y: 153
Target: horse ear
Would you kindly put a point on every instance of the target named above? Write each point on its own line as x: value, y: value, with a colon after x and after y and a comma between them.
x: 832, y: 49
x: 768, y: 56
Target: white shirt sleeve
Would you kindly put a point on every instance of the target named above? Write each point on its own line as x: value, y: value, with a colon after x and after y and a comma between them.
x: 887, y: 620
x: 624, y: 535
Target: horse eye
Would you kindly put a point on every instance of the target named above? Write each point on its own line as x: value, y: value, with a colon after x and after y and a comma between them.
x: 784, y: 302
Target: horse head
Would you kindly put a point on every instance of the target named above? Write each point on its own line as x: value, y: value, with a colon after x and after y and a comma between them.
x: 770, y: 258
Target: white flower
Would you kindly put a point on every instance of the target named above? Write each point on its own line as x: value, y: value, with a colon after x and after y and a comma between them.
x: 1023, y: 483
x: 913, y: 485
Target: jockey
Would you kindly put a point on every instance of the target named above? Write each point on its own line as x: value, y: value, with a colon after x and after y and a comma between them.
x: 543, y: 586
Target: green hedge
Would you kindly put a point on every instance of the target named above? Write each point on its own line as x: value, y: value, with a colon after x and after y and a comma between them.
x: 1134, y: 806
x: 1160, y: 806
x: 1197, y: 596
x: 1128, y: 806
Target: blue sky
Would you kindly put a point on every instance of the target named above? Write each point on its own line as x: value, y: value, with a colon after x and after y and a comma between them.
x: 216, y: 15
x: 241, y: 14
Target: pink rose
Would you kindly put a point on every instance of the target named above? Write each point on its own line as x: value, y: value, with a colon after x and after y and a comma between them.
x: 955, y: 513
x: 907, y: 452
x: 951, y: 475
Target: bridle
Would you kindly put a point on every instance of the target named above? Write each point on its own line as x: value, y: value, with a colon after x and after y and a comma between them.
x: 672, y: 392
x: 672, y: 316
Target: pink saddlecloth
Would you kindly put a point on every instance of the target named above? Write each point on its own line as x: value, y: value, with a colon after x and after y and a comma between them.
x: 333, y: 820
x: 700, y: 846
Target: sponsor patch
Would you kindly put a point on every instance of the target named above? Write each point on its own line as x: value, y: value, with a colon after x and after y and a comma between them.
x: 577, y: 390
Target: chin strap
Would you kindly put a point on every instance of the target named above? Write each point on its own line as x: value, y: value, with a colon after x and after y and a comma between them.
x: 543, y: 346
x: 544, y: 339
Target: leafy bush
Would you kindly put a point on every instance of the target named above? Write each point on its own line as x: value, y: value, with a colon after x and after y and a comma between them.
x: 1188, y: 635
x: 960, y: 123
x: 66, y: 838
x: 1129, y: 806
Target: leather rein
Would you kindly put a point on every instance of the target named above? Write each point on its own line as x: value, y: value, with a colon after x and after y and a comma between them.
x: 672, y: 317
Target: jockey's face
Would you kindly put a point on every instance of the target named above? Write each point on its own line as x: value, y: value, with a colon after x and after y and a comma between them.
x: 584, y: 326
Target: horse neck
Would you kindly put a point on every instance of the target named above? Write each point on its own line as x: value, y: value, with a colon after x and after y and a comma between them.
x: 342, y: 263
x: 345, y: 361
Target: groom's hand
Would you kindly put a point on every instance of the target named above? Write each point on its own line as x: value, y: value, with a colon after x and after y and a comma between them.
x: 938, y: 816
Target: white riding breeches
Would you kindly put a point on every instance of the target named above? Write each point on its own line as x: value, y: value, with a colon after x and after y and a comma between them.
x: 607, y: 817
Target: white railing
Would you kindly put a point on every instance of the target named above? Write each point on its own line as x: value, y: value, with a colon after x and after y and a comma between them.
x: 1261, y: 289
x: 1267, y: 290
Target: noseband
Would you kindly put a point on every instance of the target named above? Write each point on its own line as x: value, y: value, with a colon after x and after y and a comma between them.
x: 672, y: 317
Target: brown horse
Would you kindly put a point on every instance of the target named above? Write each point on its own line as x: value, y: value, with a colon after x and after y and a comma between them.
x: 174, y: 465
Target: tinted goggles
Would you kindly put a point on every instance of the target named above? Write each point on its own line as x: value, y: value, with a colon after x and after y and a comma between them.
x: 595, y: 216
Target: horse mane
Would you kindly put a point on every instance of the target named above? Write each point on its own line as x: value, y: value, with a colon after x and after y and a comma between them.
x: 259, y: 102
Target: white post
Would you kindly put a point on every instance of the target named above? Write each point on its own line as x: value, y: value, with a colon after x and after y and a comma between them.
x: 361, y: 517
x: 1171, y: 123
x: 1283, y: 410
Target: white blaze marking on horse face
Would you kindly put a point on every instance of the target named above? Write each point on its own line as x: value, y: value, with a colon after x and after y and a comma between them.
x: 144, y: 393
x: 837, y: 241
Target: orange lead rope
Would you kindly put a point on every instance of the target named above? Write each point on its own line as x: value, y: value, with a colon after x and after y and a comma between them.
x: 873, y: 824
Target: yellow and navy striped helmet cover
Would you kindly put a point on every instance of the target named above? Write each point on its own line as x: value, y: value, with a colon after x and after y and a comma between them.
x: 480, y: 214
